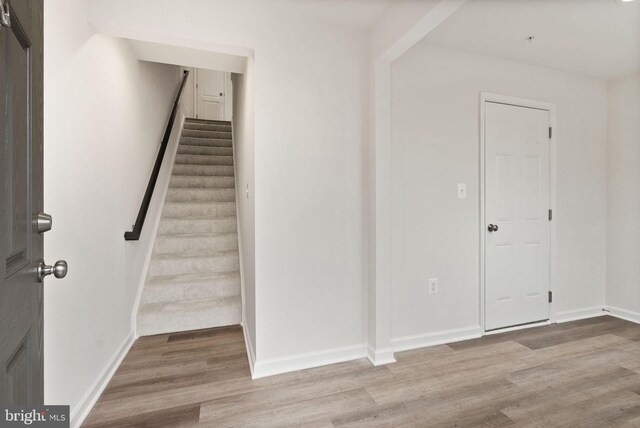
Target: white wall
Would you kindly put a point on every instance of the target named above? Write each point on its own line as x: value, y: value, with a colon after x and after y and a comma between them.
x: 244, y: 156
x: 181, y: 56
x: 403, y: 24
x: 105, y: 114
x: 435, y: 140
x: 310, y: 101
x: 623, y: 215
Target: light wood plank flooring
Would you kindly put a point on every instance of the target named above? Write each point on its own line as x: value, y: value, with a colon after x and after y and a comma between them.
x: 579, y: 374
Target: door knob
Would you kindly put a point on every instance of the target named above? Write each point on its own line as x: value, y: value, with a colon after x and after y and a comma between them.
x: 59, y: 270
x: 493, y: 228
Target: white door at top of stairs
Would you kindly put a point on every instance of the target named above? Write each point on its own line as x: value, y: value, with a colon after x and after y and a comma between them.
x: 211, y: 90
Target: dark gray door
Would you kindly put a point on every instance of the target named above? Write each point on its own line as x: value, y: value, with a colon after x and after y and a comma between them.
x: 21, y: 379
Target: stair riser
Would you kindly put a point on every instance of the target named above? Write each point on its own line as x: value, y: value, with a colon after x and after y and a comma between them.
x: 204, y: 170
x: 202, y: 182
x: 206, y: 134
x: 201, y: 195
x: 207, y: 121
x: 184, y: 149
x: 166, y: 245
x: 150, y: 324
x: 205, y: 142
x: 177, y: 225
x: 206, y: 209
x: 207, y: 127
x: 185, y: 266
x: 172, y: 292
x: 204, y: 160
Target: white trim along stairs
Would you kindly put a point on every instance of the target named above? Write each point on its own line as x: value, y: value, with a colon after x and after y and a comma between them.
x: 193, y: 281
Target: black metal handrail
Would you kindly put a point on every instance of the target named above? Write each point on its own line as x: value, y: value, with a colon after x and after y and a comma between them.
x: 134, y: 235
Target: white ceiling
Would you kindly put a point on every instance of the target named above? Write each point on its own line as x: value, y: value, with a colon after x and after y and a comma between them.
x: 359, y: 14
x: 598, y: 38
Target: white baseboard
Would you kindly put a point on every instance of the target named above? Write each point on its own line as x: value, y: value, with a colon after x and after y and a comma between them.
x: 306, y: 361
x: 623, y: 314
x: 579, y: 314
x: 438, y: 338
x: 251, y: 354
x: 380, y: 357
x: 80, y: 411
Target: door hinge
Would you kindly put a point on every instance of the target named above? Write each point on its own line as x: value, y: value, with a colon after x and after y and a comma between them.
x: 550, y: 296
x: 550, y: 215
x: 550, y: 132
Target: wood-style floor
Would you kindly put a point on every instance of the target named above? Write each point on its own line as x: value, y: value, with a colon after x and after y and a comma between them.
x: 579, y: 374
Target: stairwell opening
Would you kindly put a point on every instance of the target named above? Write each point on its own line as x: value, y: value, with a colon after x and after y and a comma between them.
x: 200, y: 268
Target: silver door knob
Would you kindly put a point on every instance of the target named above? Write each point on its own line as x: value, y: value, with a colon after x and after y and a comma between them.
x: 59, y: 270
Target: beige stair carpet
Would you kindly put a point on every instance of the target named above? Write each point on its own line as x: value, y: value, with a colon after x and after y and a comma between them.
x: 193, y: 280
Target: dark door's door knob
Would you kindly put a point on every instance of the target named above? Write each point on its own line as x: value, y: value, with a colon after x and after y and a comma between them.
x: 59, y: 270
x: 493, y: 228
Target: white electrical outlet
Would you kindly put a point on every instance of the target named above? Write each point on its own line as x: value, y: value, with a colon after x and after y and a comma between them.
x: 433, y: 285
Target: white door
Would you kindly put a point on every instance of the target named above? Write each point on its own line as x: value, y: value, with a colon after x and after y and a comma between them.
x: 517, y: 202
x: 210, y: 94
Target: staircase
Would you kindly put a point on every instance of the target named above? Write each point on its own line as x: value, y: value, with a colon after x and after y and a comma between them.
x: 193, y: 280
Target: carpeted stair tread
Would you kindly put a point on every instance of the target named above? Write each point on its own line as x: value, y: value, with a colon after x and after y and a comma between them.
x: 210, y: 121
x: 201, y: 181
x: 173, y: 288
x: 219, y: 127
x: 203, y: 170
x: 172, y: 225
x: 196, y: 277
x: 194, y: 255
x: 188, y: 263
x: 199, y: 209
x: 204, y: 160
x: 206, y: 134
x: 205, y: 142
x: 184, y: 315
x: 194, y: 149
x: 201, y: 195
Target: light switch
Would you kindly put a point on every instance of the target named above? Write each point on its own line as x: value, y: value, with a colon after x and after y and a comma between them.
x: 462, y: 191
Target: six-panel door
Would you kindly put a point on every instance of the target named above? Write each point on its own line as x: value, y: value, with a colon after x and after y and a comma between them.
x: 517, y: 200
x: 210, y: 93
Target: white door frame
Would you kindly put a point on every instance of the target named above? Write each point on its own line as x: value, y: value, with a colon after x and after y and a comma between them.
x: 194, y: 84
x: 541, y: 105
x: 228, y: 97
